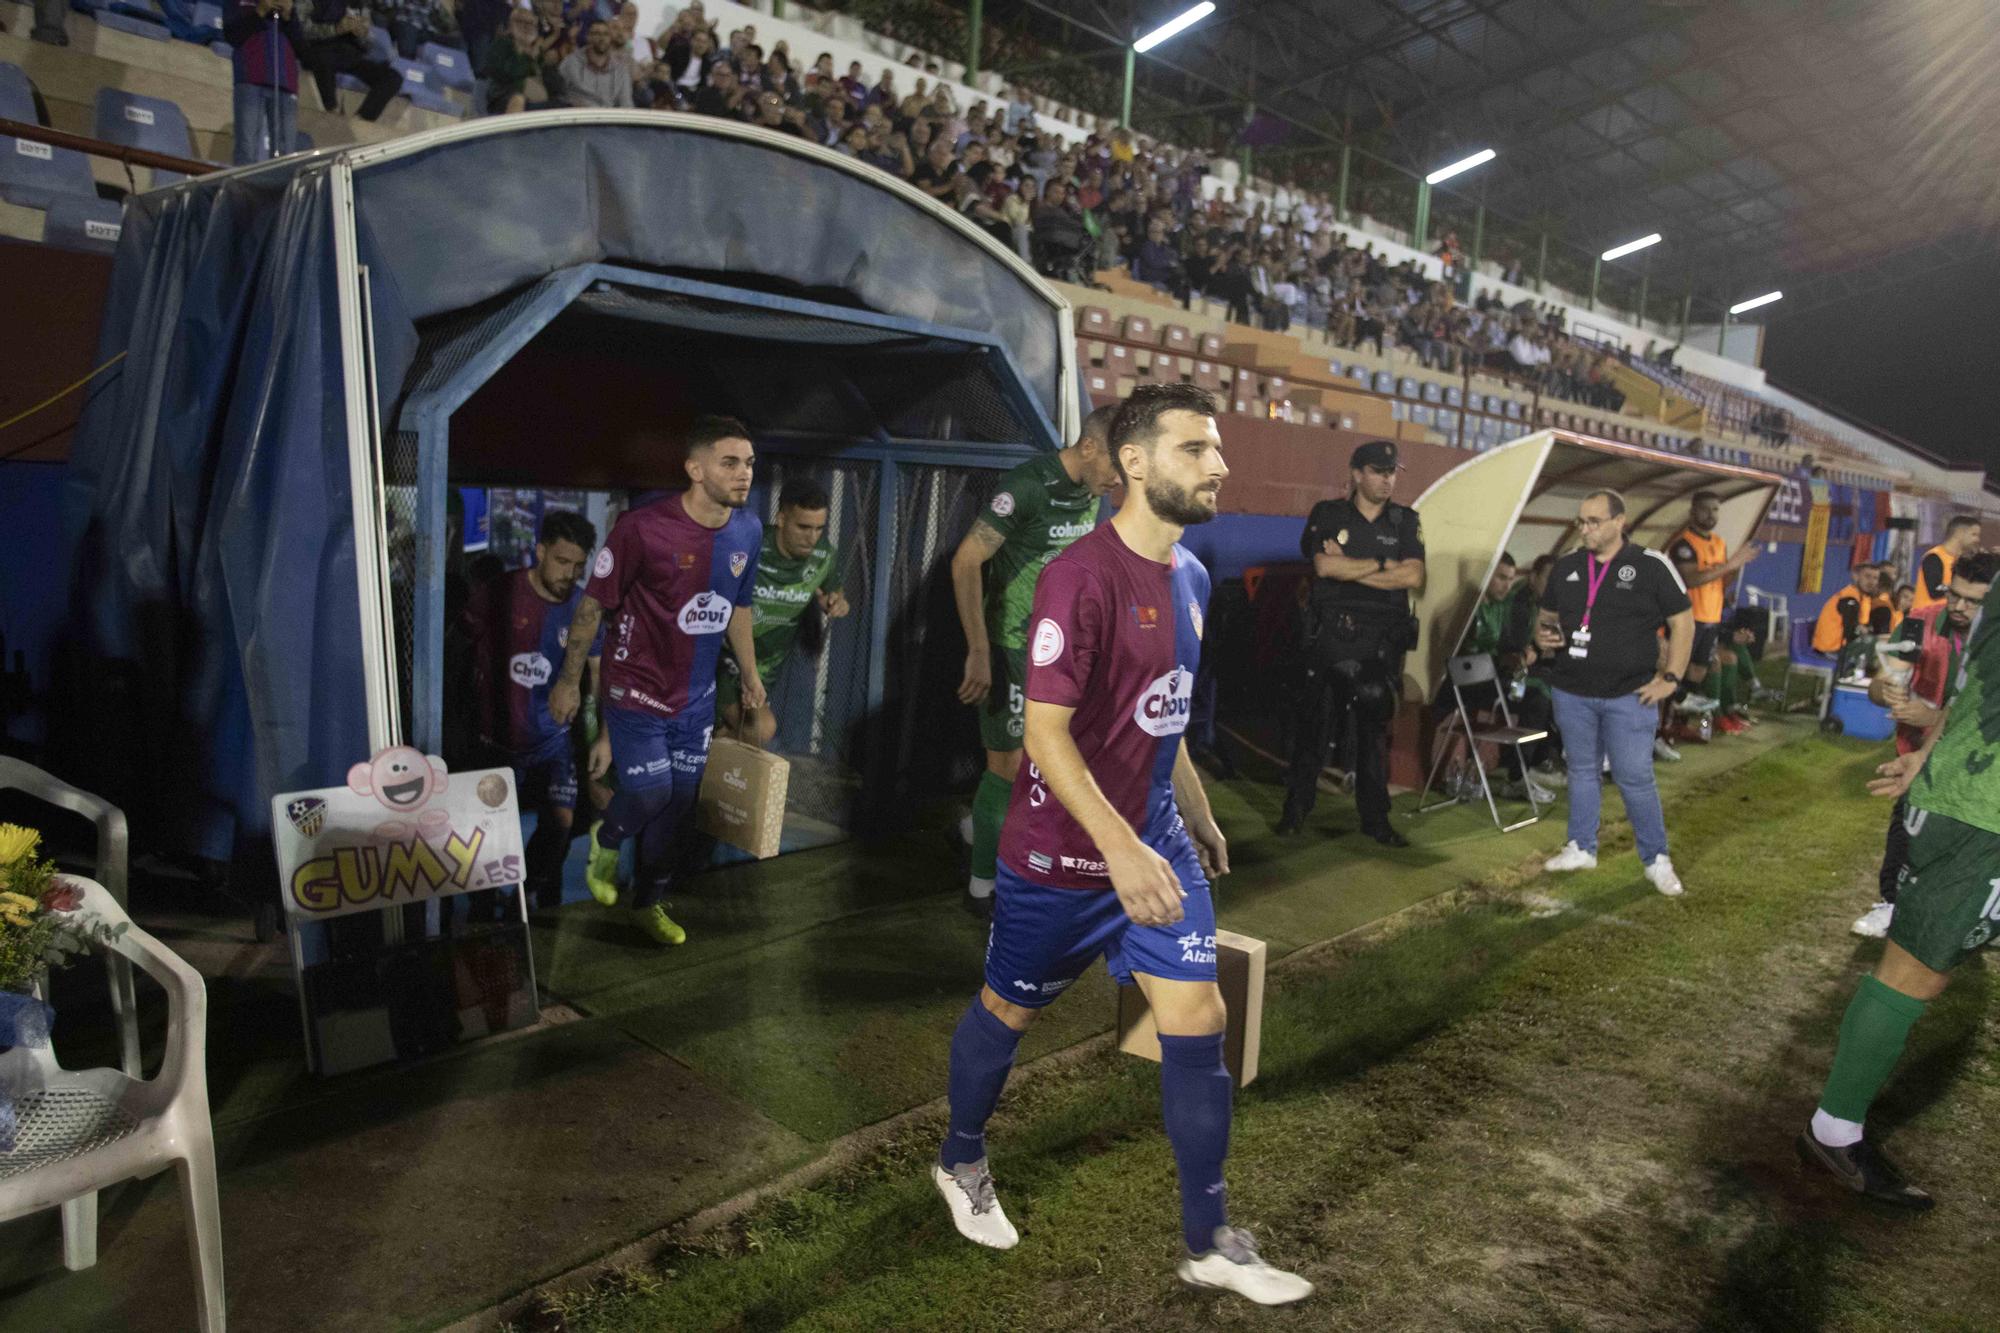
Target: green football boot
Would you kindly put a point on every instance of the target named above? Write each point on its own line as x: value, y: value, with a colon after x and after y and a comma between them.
x: 600, y: 872
x: 654, y: 923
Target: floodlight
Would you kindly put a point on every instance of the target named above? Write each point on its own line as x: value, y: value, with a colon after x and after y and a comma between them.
x: 1173, y: 27
x: 1756, y: 301
x: 1446, y: 173
x: 1630, y: 247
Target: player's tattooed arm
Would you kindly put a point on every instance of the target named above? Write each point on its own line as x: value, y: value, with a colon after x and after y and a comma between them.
x: 743, y: 643
x: 967, y: 590
x: 566, y: 694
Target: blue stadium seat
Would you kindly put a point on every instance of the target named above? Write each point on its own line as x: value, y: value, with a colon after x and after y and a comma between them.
x: 17, y: 95
x: 35, y: 175
x: 379, y: 44
x: 137, y: 121
x: 208, y: 20
x: 83, y: 224
x: 1432, y: 393
x: 453, y: 66
x: 1477, y: 402
x: 223, y: 49
x: 134, y: 16
x: 1407, y: 387
x: 1423, y: 414
x: 1384, y: 382
x: 1514, y: 409
x: 1447, y: 421
x: 1454, y: 396
x: 1359, y: 374
x: 1399, y: 410
x: 421, y: 87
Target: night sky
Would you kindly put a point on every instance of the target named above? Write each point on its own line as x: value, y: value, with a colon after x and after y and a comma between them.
x: 1916, y: 360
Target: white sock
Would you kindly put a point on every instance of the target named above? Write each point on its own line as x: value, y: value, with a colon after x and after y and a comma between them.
x: 1835, y: 1132
x: 979, y: 888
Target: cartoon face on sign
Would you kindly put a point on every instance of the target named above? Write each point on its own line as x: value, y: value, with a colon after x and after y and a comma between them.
x: 404, y: 780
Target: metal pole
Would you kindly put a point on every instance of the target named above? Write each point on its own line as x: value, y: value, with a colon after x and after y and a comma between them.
x: 1687, y: 312
x: 1645, y: 284
x: 1423, y: 222
x: 1125, y: 106
x: 1596, y: 269
x: 1248, y: 163
x: 1478, y: 239
x: 1340, y: 203
x: 973, y: 17
x: 1722, y: 335
x: 1542, y: 264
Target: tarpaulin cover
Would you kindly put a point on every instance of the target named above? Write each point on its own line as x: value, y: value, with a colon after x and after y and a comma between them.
x: 210, y: 514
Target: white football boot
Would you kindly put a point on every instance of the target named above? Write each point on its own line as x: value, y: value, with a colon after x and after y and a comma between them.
x: 1571, y: 857
x: 1234, y: 1265
x: 975, y: 1208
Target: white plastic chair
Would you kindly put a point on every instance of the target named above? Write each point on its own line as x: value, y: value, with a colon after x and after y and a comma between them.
x: 113, y: 846
x: 80, y: 1131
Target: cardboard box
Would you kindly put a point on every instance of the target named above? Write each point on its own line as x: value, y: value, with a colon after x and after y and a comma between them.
x: 742, y: 800
x: 1239, y: 968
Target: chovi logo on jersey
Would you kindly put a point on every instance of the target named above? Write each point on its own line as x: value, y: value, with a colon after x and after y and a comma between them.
x: 1163, y: 707
x: 705, y: 613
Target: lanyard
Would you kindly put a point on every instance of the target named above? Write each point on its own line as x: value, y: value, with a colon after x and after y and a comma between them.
x: 1596, y: 581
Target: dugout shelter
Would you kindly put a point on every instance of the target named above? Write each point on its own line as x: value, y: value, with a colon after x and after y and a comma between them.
x: 1520, y: 498
x: 318, y: 348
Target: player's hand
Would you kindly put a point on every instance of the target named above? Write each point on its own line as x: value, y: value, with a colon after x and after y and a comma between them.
x: 978, y: 679
x: 1549, y: 638
x: 1210, y: 848
x: 565, y: 697
x: 833, y: 605
x: 1913, y: 712
x: 600, y: 756
x: 1331, y: 547
x: 753, y: 694
x: 1146, y: 885
x: 1656, y: 691
x: 1896, y: 776
x: 1894, y: 692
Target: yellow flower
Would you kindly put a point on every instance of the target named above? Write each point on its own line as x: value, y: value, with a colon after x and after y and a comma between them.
x: 16, y: 902
x: 15, y: 918
x: 17, y: 843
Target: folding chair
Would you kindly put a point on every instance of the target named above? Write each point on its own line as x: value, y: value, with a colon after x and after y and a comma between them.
x: 1463, y: 673
x: 1804, y: 661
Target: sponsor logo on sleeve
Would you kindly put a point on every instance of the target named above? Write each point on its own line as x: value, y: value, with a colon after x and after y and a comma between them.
x: 602, y: 569
x: 705, y: 613
x: 1163, y: 706
x: 1048, y: 642
x: 1003, y: 503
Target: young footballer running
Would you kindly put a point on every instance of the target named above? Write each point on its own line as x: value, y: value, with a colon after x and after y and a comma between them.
x: 1109, y: 844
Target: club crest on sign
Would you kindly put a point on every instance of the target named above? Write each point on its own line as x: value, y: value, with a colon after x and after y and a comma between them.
x: 308, y: 815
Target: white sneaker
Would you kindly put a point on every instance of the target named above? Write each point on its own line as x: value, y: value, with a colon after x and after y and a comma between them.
x: 1571, y: 857
x: 1234, y: 1265
x: 1661, y: 873
x: 975, y: 1209
x: 1549, y: 775
x: 1522, y: 789
x: 1874, y: 923
x: 1665, y: 752
x: 1698, y: 703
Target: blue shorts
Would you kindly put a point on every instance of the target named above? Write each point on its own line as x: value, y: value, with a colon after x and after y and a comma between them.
x: 1043, y: 939
x: 650, y: 751
x: 545, y: 779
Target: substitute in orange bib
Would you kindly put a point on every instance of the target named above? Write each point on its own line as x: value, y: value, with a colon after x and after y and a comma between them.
x: 1961, y: 539
x: 1846, y: 612
x: 1705, y: 566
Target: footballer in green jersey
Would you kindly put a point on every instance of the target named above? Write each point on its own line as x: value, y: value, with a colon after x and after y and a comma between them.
x: 797, y: 570
x: 1038, y: 509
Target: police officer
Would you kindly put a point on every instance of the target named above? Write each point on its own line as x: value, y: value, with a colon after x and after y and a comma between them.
x: 1367, y: 554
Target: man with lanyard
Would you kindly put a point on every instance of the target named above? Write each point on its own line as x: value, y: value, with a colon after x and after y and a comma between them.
x: 1601, y: 617
x: 1939, y: 632
x: 1961, y: 539
x: 1702, y: 561
x: 1110, y: 843
x: 1367, y: 554
x: 1039, y: 509
x: 797, y: 569
x: 677, y: 576
x: 519, y: 627
x: 1947, y: 905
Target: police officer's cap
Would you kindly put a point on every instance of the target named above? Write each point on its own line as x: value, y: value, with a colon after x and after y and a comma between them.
x: 1375, y: 453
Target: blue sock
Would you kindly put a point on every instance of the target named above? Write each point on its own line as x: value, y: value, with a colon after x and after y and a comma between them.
x: 629, y: 812
x: 1195, y: 1091
x: 982, y: 1053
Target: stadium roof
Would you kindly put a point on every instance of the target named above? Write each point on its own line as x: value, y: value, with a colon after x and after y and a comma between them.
x: 1818, y: 147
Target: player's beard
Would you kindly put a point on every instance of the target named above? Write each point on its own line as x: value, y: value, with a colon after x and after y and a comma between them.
x: 1173, y: 503
x: 722, y: 495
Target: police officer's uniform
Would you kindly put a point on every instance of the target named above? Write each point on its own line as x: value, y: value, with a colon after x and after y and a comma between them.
x: 1353, y: 646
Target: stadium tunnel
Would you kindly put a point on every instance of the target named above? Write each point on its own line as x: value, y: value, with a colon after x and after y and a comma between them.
x: 319, y: 348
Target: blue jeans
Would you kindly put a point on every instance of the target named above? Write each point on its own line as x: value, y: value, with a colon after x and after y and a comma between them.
x: 255, y: 141
x: 1621, y: 727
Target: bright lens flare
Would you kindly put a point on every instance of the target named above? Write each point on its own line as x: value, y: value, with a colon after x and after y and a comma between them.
x: 1484, y: 155
x: 1756, y: 301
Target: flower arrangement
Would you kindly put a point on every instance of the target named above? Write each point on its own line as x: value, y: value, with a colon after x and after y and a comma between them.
x: 38, y: 925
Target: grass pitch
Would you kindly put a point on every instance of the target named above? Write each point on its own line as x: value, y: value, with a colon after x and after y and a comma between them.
x: 1533, y: 1104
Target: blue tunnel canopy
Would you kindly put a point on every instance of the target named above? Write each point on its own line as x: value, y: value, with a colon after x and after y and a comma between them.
x: 224, y: 506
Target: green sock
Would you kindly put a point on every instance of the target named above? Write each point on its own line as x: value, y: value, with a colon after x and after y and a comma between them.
x: 989, y: 808
x: 1872, y: 1035
x: 1725, y: 685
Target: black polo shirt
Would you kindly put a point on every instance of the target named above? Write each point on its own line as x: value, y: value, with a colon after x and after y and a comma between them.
x: 1639, y: 592
x: 1395, y: 534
